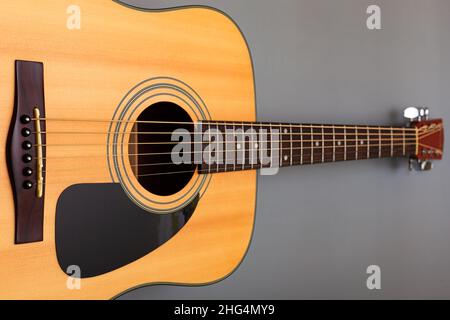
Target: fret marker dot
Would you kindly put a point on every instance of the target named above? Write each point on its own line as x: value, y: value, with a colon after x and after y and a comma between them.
x: 256, y: 145
x: 238, y: 146
x: 285, y: 131
x: 317, y: 143
x: 339, y: 143
x: 362, y: 142
x: 285, y: 158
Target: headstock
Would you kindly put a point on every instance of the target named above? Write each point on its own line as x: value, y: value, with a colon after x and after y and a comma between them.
x: 430, y: 138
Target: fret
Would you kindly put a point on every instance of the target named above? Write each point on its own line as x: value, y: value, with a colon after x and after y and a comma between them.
x: 225, y: 143
x: 385, y: 137
x: 323, y: 145
x: 340, y: 143
x: 248, y: 146
x: 285, y: 146
x: 368, y: 143
x: 269, y: 146
x: 270, y: 150
x: 221, y: 146
x: 379, y: 142
x: 355, y: 139
x: 345, y: 143
x: 256, y: 145
x: 264, y: 146
x: 334, y: 144
x: 237, y: 148
x: 373, y: 136
x: 297, y: 147
x: 290, y: 136
x: 352, y: 147
x: 361, y: 142
x: 210, y: 151
x: 261, y: 145
x: 251, y: 146
x: 316, y: 145
x: 404, y: 142
x: 328, y: 148
x: 235, y: 156
x: 411, y: 139
x: 302, y: 138
x: 398, y: 143
x: 242, y: 148
x: 230, y: 155
x: 307, y: 144
x: 280, y: 145
x: 217, y: 153
x: 232, y: 148
x: 283, y: 156
x: 392, y: 142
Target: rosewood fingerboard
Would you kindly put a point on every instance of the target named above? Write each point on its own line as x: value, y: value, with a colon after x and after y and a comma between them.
x: 247, y: 146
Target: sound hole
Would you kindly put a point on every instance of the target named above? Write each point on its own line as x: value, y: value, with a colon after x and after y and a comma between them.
x: 151, y: 146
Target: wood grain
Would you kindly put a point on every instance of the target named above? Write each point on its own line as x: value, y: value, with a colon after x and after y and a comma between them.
x: 87, y: 72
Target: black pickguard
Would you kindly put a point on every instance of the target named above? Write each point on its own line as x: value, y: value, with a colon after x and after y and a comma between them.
x: 99, y: 229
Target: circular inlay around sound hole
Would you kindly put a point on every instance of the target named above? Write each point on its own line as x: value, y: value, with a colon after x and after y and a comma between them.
x: 151, y: 146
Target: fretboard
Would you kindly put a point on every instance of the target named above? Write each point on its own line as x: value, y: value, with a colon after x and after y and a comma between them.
x: 234, y: 146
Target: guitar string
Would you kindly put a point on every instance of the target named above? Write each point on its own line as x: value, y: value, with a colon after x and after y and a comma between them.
x: 234, y: 150
x: 312, y: 133
x: 282, y: 149
x: 327, y: 159
x: 231, y: 123
x: 214, y: 142
x: 253, y: 150
x: 293, y: 156
x: 427, y: 134
x: 385, y: 132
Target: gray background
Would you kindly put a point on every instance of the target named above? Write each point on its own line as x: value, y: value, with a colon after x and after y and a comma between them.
x: 319, y: 227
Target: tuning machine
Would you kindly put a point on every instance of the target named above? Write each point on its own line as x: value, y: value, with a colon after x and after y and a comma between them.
x: 416, y: 114
x: 420, y: 165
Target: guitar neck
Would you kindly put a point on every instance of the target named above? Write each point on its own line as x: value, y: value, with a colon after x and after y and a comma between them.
x: 235, y: 146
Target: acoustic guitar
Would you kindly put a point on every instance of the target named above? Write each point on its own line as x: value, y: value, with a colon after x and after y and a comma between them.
x: 131, y: 147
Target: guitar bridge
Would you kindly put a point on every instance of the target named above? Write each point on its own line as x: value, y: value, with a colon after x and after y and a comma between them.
x: 25, y: 152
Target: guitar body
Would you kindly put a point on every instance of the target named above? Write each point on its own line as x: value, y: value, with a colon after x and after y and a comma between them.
x: 121, y: 61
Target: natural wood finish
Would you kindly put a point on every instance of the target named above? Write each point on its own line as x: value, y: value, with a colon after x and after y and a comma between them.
x: 87, y: 72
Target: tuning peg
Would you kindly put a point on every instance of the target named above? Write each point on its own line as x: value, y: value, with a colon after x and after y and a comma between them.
x: 426, y: 165
x: 420, y: 165
x: 411, y: 113
x: 424, y: 113
x: 416, y: 114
